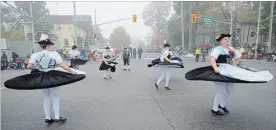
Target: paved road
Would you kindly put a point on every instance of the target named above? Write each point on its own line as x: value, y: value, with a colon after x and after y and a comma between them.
x: 130, y: 101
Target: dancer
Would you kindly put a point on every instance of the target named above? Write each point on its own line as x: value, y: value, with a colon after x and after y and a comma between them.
x: 108, y: 64
x: 225, y: 71
x: 126, y: 59
x: 74, y: 54
x: 49, y: 72
x: 166, y: 73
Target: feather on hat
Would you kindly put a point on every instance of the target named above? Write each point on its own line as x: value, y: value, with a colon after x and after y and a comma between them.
x: 44, y: 39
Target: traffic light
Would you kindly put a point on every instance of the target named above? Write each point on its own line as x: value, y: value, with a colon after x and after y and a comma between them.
x: 134, y: 18
x: 193, y: 19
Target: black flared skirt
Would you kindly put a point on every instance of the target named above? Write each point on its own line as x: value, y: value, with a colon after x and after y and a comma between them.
x: 78, y: 61
x: 105, y: 66
x: 208, y: 74
x: 173, y: 65
x: 42, y: 80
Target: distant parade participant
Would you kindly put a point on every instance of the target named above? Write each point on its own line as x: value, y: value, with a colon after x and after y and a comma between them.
x: 126, y: 59
x: 204, y: 53
x: 74, y: 54
x: 134, y: 53
x: 108, y: 64
x: 55, y: 74
x: 140, y: 51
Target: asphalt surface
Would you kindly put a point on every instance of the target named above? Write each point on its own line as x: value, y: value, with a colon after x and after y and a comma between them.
x: 129, y: 101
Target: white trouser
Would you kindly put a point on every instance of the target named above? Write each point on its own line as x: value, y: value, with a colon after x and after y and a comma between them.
x: 166, y: 75
x: 223, y: 92
x: 107, y: 73
x: 51, y: 93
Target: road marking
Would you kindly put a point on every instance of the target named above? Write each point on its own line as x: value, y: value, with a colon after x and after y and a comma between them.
x: 13, y: 73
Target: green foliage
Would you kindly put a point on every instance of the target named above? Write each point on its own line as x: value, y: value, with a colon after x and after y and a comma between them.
x: 11, y: 19
x: 119, y: 37
x: 10, y: 28
x: 155, y: 15
x: 39, y: 11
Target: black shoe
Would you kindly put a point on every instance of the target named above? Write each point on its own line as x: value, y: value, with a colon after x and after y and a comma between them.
x: 218, y: 113
x: 128, y: 69
x: 61, y: 120
x: 168, y: 88
x: 49, y: 121
x: 156, y: 85
x: 224, y: 109
x: 105, y: 78
x: 110, y: 77
x: 125, y: 69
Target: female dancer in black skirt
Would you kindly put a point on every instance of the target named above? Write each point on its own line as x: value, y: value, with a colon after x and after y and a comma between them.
x: 106, y: 64
x: 225, y: 71
x: 74, y: 54
x: 50, y: 73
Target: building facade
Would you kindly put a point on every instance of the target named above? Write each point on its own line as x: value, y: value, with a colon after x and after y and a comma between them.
x: 64, y: 31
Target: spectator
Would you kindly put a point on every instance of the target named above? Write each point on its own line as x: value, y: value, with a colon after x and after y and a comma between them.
x: 204, y: 53
x: 197, y: 52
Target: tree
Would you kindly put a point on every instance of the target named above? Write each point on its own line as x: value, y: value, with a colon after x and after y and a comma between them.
x: 39, y: 12
x: 155, y: 15
x: 10, y: 29
x: 174, y: 29
x: 119, y: 37
x: 265, y: 13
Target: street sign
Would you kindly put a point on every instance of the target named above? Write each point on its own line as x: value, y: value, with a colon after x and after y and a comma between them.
x: 210, y: 19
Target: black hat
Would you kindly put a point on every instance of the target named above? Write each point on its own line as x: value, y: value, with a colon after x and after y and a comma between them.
x: 107, y: 48
x: 45, y: 40
x: 222, y: 36
x: 74, y: 47
x: 166, y: 44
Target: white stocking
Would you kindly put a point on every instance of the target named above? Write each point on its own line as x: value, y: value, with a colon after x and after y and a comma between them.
x: 220, y: 91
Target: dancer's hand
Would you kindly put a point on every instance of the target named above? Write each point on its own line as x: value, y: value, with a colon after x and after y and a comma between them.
x: 216, y: 70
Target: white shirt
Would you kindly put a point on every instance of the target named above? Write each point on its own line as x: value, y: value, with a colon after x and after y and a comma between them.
x: 219, y: 50
x: 46, y: 60
x: 165, y: 52
x: 74, y: 54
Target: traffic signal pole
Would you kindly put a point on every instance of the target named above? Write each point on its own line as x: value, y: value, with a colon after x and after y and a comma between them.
x: 258, y: 30
x: 270, y: 26
x: 190, y: 28
x: 182, y: 26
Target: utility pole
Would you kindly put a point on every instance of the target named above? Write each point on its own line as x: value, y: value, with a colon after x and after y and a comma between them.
x: 258, y: 30
x: 182, y: 25
x: 33, y: 31
x: 95, y: 28
x: 190, y: 26
x: 160, y: 37
x: 75, y: 23
x: 270, y: 26
x: 204, y: 27
x: 231, y: 26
